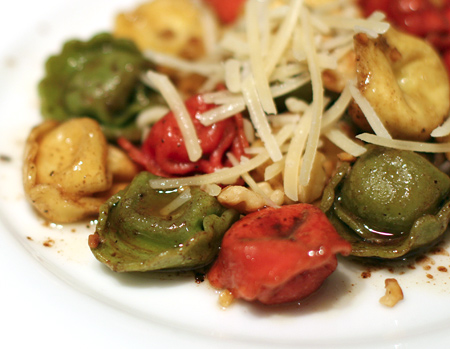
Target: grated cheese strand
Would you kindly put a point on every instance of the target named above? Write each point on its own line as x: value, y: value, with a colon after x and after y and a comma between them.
x: 198, y: 67
x: 179, y: 201
x: 251, y: 182
x: 259, y: 118
x: 210, y: 32
x: 287, y: 71
x: 295, y: 105
x: 283, y: 36
x: 256, y: 60
x: 342, y: 22
x: 337, y: 109
x: 176, y: 104
x: 344, y: 142
x: 221, y: 97
x: 442, y: 130
x: 232, y: 75
x: 273, y: 170
x: 421, y: 147
x: 235, y: 44
x: 220, y: 113
x: 211, y: 189
x: 151, y: 115
x: 370, y: 114
x: 293, y: 158
x: 317, y: 102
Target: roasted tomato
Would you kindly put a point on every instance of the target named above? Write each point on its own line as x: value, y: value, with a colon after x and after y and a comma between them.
x: 164, y: 153
x: 278, y: 255
x: 227, y: 11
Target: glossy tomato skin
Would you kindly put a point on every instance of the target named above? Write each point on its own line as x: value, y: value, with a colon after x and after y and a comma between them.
x: 164, y: 153
x: 278, y: 255
x: 226, y: 10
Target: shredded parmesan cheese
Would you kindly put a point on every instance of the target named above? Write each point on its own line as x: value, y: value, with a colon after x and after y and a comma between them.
x: 151, y: 115
x: 197, y: 67
x: 256, y: 60
x: 294, y: 156
x: 179, y: 201
x: 211, y: 189
x: 405, y: 145
x: 344, y: 142
x: 283, y: 35
x: 176, y: 104
x: 272, y: 51
x: 273, y: 170
x: 259, y: 118
x: 317, y: 104
x: 233, y: 75
x: 221, y: 113
x: 370, y: 114
x: 337, y: 109
x: 373, y: 25
x: 443, y: 130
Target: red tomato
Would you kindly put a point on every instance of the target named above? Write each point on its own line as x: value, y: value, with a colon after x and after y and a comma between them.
x: 278, y: 255
x: 164, y: 153
x: 227, y: 10
x: 369, y: 6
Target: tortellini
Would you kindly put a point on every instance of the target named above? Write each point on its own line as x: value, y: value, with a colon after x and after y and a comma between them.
x: 168, y: 26
x: 405, y: 81
x: 98, y: 78
x: 70, y: 170
x: 136, y: 231
x: 389, y: 204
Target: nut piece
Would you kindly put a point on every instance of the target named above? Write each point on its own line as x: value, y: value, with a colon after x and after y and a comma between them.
x: 241, y: 199
x: 226, y: 298
x: 394, y: 293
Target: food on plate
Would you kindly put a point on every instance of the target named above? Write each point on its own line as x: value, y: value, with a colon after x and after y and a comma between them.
x: 389, y: 203
x: 428, y: 19
x: 143, y: 229
x: 164, y: 152
x: 278, y: 255
x: 173, y: 29
x: 405, y: 82
x: 177, y: 32
x: 246, y: 200
x: 70, y: 170
x: 240, y: 118
x: 394, y: 293
x: 98, y: 78
x: 227, y: 11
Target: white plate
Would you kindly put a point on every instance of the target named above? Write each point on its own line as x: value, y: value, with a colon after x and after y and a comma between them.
x: 61, y: 296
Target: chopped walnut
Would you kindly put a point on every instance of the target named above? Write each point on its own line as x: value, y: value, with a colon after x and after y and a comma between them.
x: 225, y: 298
x: 394, y: 293
x: 276, y: 195
x: 241, y: 199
